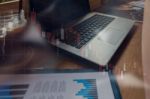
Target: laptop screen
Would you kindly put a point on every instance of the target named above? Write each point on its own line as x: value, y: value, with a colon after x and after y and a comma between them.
x: 52, y: 14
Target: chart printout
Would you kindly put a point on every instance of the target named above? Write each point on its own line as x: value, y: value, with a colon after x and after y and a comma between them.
x: 56, y: 86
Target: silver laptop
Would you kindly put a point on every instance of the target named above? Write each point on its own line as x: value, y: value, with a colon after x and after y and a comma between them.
x: 91, y: 35
x: 104, y: 42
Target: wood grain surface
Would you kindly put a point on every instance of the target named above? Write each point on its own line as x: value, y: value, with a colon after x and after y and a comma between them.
x: 146, y: 47
x: 127, y: 62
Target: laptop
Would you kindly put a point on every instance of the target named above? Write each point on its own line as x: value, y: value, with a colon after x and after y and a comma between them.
x: 90, y: 35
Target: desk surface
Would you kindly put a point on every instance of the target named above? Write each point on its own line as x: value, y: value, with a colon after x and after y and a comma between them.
x: 127, y: 61
x: 131, y: 58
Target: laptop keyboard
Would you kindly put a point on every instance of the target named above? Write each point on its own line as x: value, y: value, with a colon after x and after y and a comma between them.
x: 87, y: 30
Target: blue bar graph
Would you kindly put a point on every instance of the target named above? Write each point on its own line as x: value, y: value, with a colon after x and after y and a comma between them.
x: 10, y: 91
x: 90, y: 90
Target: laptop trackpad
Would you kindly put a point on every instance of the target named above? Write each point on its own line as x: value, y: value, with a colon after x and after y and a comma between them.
x: 111, y: 36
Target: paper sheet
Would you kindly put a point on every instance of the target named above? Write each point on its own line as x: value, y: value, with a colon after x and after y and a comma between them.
x: 56, y: 86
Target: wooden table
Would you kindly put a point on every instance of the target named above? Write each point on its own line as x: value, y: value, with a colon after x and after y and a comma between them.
x: 131, y: 58
x: 127, y: 61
